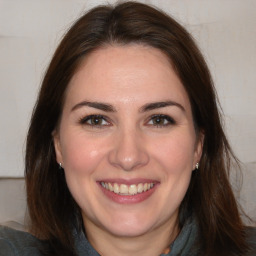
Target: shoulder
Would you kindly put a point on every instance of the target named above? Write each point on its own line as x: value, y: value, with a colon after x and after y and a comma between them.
x: 251, y: 238
x: 14, y: 242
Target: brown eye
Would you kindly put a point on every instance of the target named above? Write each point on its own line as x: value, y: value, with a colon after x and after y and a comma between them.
x: 94, y: 120
x: 161, y: 120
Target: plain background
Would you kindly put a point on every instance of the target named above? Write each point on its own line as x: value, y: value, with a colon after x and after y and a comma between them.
x: 31, y: 29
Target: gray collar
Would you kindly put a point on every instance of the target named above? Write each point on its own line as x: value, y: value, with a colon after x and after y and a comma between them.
x: 184, y: 244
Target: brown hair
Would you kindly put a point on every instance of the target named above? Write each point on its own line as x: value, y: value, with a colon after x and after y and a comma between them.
x: 52, y: 210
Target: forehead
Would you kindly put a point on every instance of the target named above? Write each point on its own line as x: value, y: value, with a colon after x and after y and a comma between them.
x: 130, y: 73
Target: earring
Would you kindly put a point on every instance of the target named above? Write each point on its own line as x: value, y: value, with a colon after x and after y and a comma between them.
x: 197, y: 166
x: 60, y: 166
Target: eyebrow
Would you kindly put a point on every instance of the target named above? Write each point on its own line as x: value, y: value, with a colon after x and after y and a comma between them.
x: 109, y: 108
x: 98, y: 105
x: 162, y: 104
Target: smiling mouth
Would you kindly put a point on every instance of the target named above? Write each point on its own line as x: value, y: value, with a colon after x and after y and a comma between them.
x: 127, y: 190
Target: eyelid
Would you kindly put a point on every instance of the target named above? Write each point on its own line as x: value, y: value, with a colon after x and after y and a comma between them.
x: 170, y: 120
x: 85, y: 119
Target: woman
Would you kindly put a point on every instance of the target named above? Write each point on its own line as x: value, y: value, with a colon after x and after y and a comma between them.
x: 125, y: 153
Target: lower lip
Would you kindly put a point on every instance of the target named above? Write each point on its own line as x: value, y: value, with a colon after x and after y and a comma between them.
x: 131, y: 199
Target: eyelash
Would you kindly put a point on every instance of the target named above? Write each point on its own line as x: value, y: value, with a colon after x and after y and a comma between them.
x: 167, y: 121
x: 85, y: 121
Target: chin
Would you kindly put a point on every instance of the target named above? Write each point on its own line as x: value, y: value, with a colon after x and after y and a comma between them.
x: 128, y: 230
x: 127, y: 226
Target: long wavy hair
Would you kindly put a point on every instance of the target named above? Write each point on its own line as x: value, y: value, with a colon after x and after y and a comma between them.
x: 53, y: 211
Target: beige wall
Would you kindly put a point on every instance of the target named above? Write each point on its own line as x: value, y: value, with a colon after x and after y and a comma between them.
x: 30, y: 30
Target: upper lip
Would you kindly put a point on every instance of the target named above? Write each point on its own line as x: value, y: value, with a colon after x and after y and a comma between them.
x: 129, y: 181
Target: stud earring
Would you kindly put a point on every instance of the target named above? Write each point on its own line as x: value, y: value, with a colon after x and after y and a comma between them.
x: 197, y: 166
x: 60, y: 166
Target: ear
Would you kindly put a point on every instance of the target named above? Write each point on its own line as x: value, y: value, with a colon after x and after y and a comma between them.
x: 57, y: 146
x: 198, y: 148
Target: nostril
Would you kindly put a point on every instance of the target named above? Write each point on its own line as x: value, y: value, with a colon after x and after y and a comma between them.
x: 128, y: 150
x: 128, y: 156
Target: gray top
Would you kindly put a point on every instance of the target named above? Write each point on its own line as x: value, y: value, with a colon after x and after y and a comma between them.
x: 19, y: 243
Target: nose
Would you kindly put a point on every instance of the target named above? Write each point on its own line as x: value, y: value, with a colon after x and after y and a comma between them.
x: 128, y: 151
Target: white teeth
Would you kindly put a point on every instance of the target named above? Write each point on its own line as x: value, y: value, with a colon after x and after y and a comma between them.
x: 110, y: 187
x: 116, y: 188
x: 140, y: 188
x: 124, y: 189
x: 133, y: 189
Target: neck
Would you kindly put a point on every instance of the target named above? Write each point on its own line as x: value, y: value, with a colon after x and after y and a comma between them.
x: 151, y: 243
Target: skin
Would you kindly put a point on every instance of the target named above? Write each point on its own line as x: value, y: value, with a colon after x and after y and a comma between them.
x: 128, y: 144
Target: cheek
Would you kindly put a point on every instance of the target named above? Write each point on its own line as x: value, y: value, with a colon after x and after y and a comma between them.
x: 81, y: 158
x: 81, y: 155
x: 175, y: 152
x: 176, y: 160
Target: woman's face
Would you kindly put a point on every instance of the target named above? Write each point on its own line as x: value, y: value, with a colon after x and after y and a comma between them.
x: 126, y: 140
